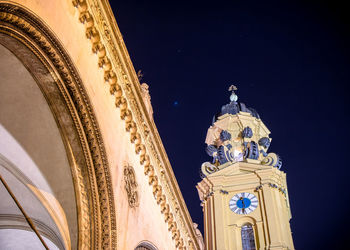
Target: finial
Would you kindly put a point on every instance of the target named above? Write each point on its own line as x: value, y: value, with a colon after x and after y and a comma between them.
x: 233, y: 96
x: 139, y: 75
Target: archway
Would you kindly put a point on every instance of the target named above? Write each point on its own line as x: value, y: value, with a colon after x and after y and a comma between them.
x: 53, y: 157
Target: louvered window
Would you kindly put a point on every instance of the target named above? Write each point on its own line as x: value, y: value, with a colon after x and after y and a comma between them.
x: 248, y: 241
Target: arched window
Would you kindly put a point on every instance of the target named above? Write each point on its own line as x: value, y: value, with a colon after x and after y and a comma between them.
x: 146, y: 246
x: 248, y: 241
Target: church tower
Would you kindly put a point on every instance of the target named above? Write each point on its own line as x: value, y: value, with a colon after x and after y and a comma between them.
x: 243, y: 191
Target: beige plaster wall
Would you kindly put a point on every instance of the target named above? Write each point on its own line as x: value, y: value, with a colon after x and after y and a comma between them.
x: 133, y: 225
x: 270, y: 220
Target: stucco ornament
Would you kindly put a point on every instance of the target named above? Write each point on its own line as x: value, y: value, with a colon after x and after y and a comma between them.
x: 247, y: 132
x: 146, y: 98
x: 199, y: 236
x: 272, y: 159
x: 131, y: 186
x: 265, y: 142
x: 207, y: 169
x: 237, y: 134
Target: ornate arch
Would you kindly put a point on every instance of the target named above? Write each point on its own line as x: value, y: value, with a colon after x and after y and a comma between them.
x: 245, y: 220
x: 23, y: 33
x: 146, y: 245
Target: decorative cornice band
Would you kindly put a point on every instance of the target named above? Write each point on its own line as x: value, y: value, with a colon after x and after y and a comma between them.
x: 113, y: 59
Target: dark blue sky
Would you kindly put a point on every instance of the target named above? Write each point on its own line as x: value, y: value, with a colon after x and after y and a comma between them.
x: 290, y: 61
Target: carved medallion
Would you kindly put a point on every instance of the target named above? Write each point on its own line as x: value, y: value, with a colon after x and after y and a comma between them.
x: 131, y: 186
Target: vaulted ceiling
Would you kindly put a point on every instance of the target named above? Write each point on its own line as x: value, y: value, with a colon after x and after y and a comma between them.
x: 33, y: 162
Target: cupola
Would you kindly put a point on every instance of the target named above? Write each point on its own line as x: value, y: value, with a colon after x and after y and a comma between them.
x: 238, y: 134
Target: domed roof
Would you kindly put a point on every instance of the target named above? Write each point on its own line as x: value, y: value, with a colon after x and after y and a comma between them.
x: 235, y: 107
x: 243, y: 137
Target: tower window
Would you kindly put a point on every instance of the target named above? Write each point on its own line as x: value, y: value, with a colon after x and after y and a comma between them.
x: 248, y: 242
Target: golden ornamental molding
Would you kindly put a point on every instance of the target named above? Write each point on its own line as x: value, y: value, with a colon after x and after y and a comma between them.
x: 93, y: 185
x: 107, y: 43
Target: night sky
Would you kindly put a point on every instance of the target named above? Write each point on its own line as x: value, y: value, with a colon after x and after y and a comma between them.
x: 289, y: 60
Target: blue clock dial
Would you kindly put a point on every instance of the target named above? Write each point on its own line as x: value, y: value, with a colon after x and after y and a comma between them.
x: 243, y: 203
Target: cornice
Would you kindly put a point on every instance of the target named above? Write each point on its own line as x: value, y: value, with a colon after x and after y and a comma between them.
x: 205, y: 189
x: 242, y: 175
x: 113, y: 58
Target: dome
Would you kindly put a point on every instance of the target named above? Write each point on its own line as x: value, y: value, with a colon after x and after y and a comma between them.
x: 233, y: 108
x: 239, y: 136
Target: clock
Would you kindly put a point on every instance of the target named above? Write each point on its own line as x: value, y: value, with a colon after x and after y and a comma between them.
x: 243, y: 203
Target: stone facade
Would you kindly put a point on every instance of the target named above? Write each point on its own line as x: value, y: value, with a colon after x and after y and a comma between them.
x: 116, y: 171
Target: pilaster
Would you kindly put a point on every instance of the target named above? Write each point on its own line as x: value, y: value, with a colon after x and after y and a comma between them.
x: 270, y: 220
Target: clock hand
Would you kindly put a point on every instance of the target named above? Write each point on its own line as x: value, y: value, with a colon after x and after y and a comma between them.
x: 243, y: 205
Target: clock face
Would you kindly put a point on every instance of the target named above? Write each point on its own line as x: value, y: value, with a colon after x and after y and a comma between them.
x: 243, y: 203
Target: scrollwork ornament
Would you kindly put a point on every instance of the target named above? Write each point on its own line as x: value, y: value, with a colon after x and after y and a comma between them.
x: 272, y: 159
x: 208, y: 168
x: 131, y: 186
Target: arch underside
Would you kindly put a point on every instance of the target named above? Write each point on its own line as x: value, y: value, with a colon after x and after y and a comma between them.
x: 28, y: 38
